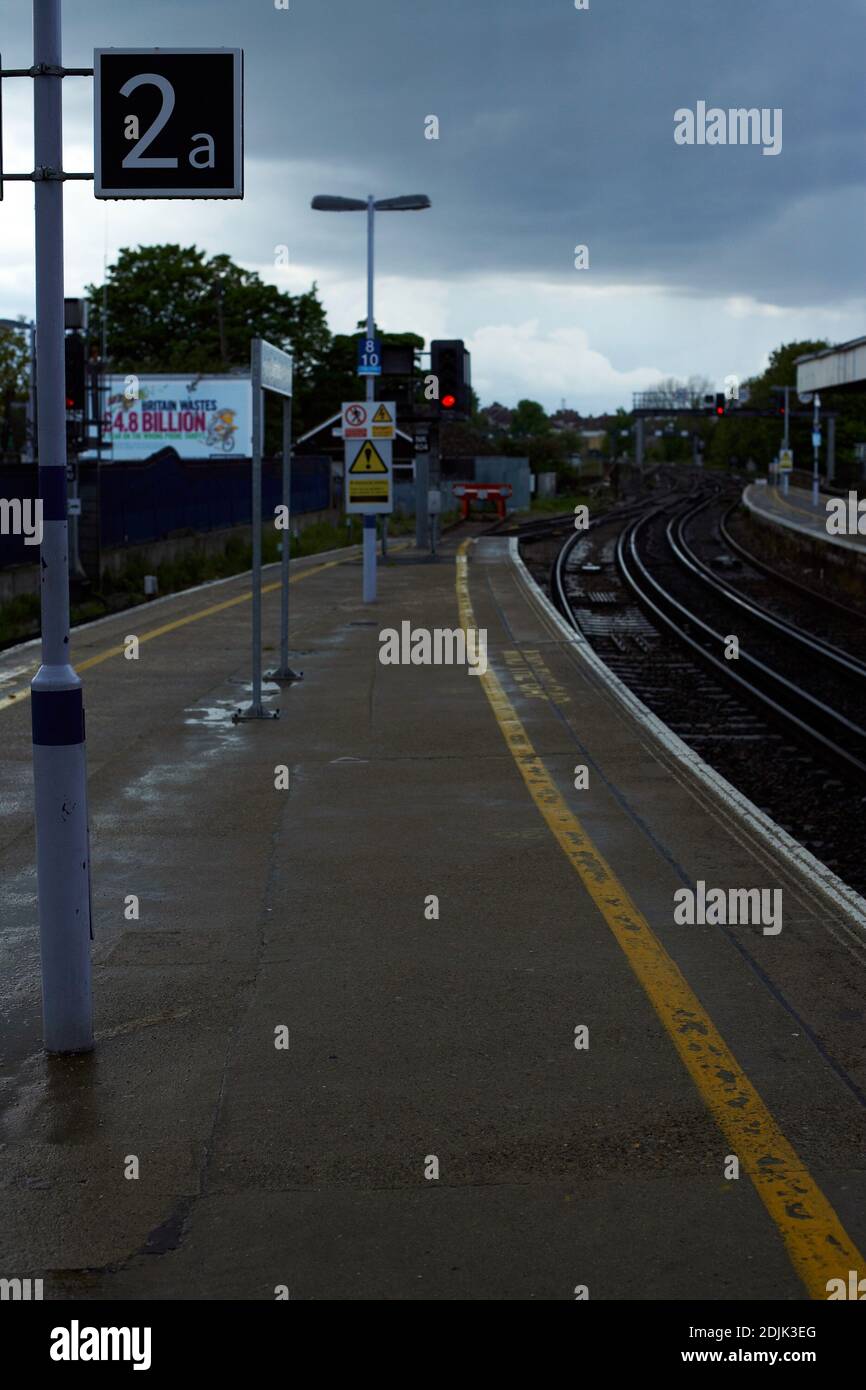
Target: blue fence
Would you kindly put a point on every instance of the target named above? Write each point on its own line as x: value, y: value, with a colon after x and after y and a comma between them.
x: 140, y: 502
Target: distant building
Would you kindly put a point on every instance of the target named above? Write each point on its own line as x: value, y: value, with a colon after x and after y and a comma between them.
x: 566, y: 420
x: 497, y: 416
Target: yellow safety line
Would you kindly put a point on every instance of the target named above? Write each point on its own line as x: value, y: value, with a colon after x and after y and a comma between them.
x: 817, y: 1243
x: 18, y: 696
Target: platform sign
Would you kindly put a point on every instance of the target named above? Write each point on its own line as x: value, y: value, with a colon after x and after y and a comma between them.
x: 369, y: 356
x: 383, y: 421
x: 168, y: 122
x: 786, y: 460
x: 355, y: 419
x: 369, y: 419
x: 369, y: 488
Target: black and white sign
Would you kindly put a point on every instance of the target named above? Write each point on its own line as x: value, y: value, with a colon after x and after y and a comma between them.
x: 168, y: 122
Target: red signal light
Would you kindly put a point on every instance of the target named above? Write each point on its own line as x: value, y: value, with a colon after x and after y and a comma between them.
x: 720, y: 410
x: 448, y: 402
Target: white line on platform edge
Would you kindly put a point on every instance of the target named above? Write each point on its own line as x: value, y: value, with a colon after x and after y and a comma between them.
x: 805, y: 866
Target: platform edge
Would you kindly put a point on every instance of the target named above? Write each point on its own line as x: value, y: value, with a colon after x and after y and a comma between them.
x: 815, y: 875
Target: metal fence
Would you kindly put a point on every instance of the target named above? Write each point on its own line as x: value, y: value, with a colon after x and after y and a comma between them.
x: 133, y: 503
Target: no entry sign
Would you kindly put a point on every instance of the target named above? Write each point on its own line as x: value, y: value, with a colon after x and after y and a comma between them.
x: 168, y: 122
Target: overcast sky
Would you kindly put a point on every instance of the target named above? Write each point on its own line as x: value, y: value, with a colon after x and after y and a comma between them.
x: 556, y: 129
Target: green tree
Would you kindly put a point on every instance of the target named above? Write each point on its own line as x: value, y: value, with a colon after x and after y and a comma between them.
x: 171, y: 308
x: 337, y: 379
x: 739, y: 438
x: 529, y: 421
x: 14, y: 385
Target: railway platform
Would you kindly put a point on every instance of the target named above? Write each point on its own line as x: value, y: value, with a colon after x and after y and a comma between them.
x: 397, y: 996
x: 795, y: 512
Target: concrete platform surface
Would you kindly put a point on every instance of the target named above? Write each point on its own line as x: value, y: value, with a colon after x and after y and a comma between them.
x: 795, y: 512
x: 417, y: 1042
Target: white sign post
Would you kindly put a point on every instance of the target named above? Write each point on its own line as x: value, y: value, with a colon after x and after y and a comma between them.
x: 271, y: 370
x: 368, y: 432
x: 369, y: 477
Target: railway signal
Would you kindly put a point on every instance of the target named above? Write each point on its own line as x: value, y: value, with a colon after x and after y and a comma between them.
x: 450, y: 364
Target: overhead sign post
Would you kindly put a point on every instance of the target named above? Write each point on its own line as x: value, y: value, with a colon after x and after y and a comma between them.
x: 271, y: 370
x: 168, y: 122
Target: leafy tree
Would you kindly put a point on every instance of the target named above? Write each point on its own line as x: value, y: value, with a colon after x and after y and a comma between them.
x: 338, y: 381
x: 171, y: 308
x: 529, y: 420
x: 14, y: 385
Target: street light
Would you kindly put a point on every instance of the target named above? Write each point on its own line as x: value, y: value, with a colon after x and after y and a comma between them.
x: 411, y: 202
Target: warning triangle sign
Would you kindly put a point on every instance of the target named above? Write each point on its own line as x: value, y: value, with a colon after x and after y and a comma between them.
x: 383, y: 416
x: 368, y: 460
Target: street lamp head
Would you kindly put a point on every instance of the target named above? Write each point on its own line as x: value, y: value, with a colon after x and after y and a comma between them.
x: 326, y: 202
x: 412, y: 202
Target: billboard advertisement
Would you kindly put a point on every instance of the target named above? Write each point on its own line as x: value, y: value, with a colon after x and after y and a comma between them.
x: 197, y: 416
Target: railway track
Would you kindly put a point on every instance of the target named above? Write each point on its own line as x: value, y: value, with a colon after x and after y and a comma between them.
x: 782, y: 722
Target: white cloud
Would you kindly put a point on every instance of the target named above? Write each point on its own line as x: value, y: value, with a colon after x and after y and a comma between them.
x: 525, y: 359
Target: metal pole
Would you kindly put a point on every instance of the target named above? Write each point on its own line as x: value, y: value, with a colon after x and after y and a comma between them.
x: 284, y: 671
x: 638, y: 442
x: 369, y: 559
x: 370, y: 521
x: 422, y: 484
x: 816, y: 437
x: 287, y: 538
x: 256, y: 710
x: 59, y: 762
x: 831, y: 448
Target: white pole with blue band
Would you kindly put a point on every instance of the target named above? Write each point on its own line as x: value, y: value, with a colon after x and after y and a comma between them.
x: 59, y: 765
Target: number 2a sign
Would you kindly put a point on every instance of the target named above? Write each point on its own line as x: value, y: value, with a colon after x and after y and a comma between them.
x: 168, y: 122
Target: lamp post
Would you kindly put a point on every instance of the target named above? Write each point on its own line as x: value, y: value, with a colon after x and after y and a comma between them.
x: 413, y: 202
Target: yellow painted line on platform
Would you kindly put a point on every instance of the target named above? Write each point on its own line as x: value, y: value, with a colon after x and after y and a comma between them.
x: 18, y: 696
x: 795, y: 507
x: 817, y: 1243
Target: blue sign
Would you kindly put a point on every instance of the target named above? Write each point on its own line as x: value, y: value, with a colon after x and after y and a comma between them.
x: 369, y: 356
x: 816, y: 439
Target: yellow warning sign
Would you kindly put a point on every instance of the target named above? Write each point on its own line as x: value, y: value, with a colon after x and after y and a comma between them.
x: 368, y: 490
x: 383, y: 416
x: 369, y: 460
